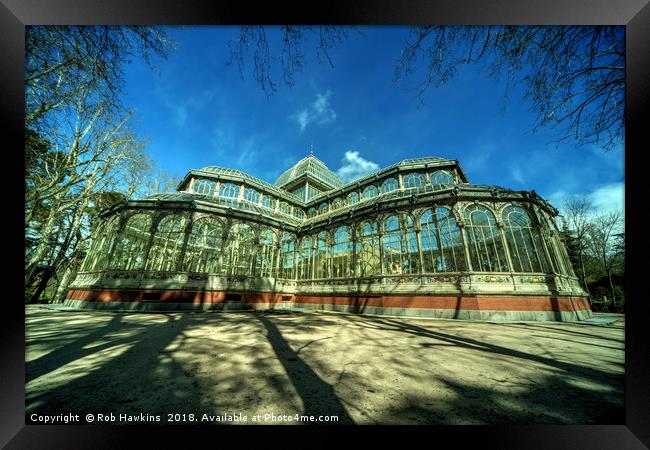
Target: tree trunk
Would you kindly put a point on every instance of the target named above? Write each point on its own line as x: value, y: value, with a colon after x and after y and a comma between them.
x: 42, y: 284
x: 611, y: 287
x: 584, y: 278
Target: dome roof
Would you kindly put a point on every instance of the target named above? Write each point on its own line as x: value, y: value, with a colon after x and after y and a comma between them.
x: 312, y: 167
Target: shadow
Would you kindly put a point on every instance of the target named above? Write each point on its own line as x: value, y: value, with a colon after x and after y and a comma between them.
x: 318, y: 397
x: 141, y: 376
x: 398, y: 326
x: 73, y: 350
x: 552, y: 399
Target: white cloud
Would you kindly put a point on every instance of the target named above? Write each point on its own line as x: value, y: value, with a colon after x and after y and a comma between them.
x: 603, y: 199
x: 515, y: 173
x: 354, y: 166
x: 319, y: 112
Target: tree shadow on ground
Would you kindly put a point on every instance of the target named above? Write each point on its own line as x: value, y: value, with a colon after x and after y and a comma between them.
x: 75, y: 349
x: 318, y: 397
x: 552, y: 399
x: 466, y: 342
x: 140, y: 375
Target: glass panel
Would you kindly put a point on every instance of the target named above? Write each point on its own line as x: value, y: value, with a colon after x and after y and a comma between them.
x: 442, y: 177
x: 132, y: 243
x: 370, y: 191
x: 341, y: 253
x: 484, y: 240
x: 167, y: 244
x: 413, y: 180
x: 368, y: 255
x: 238, y: 253
x: 389, y: 185
x: 266, y: 254
x: 204, y: 247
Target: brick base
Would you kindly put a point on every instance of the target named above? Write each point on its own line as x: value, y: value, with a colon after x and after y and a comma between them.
x: 483, y: 307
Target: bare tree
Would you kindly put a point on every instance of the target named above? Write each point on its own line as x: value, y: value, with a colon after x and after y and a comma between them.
x: 79, y: 143
x: 290, y: 56
x: 574, y: 76
x: 605, y: 242
x: 578, y: 210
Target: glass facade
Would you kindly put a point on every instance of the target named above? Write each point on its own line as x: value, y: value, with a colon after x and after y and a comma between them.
x: 401, y: 221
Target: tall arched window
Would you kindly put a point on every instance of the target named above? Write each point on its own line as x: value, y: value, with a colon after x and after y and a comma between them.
x: 205, y: 187
x: 341, y: 253
x: 337, y: 203
x: 167, y: 244
x: 204, y: 246
x: 251, y: 195
x: 352, y: 198
x: 413, y: 180
x: 287, y: 253
x: 266, y: 254
x: 132, y: 243
x: 304, y: 259
x: 442, y: 177
x: 526, y: 252
x: 484, y: 240
x: 390, y: 184
x: 299, y: 213
x: 322, y: 257
x: 400, y: 246
x: 98, y: 253
x: 311, y: 212
x: 368, y: 255
x: 370, y: 191
x: 322, y: 208
x: 442, y: 244
x: 284, y: 207
x: 238, y: 252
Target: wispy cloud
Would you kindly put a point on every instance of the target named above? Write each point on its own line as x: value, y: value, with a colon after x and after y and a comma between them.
x: 319, y: 112
x: 354, y: 166
x: 185, y: 108
x: 516, y: 174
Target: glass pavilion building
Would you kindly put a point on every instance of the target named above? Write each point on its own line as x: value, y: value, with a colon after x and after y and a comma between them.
x: 413, y: 239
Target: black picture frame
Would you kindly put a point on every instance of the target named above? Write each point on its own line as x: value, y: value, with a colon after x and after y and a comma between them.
x: 634, y: 14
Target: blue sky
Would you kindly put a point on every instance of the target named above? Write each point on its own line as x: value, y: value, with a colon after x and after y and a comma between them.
x: 196, y: 111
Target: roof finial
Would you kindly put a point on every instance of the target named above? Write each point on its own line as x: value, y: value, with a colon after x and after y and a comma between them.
x: 311, y: 149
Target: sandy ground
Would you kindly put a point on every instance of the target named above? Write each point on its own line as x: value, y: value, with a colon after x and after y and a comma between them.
x: 364, y: 370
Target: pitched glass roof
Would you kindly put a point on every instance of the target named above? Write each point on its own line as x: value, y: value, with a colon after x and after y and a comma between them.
x: 313, y: 167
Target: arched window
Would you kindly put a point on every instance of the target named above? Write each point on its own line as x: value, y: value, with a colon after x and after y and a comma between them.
x: 229, y: 190
x: 337, y: 203
x: 238, y: 252
x: 392, y: 246
x: 322, y: 256
x: 98, y: 253
x: 442, y: 244
x: 352, y: 198
x: 370, y: 191
x: 442, y: 177
x: 266, y: 254
x: 304, y: 259
x: 341, y: 253
x: 268, y: 202
x: 413, y: 180
x: 204, y: 246
x: 390, y: 184
x: 205, y: 187
x: 299, y: 213
x: 524, y: 243
x: 400, y: 246
x: 287, y: 253
x: 484, y: 240
x: 311, y: 212
x: 167, y: 244
x: 284, y: 207
x: 251, y: 195
x: 322, y: 208
x: 368, y: 255
x: 132, y: 243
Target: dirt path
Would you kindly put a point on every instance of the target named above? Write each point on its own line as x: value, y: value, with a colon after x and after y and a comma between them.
x: 363, y: 370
